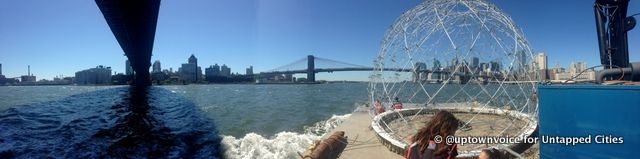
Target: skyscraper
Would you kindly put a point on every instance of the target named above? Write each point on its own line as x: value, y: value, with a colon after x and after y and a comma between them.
x: 475, y: 61
x: 577, y: 67
x: 225, y: 71
x: 541, y: 61
x: 128, y: 69
x: 495, y: 66
x: 541, y: 64
x: 156, y: 67
x: 249, y: 70
x: 193, y: 60
x: 0, y: 69
x: 521, y: 61
x: 212, y: 72
x: 436, y: 65
x: 190, y: 71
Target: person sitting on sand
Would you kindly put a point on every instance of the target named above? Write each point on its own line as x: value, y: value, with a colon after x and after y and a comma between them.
x: 430, y: 141
x: 379, y: 107
x: 397, y: 104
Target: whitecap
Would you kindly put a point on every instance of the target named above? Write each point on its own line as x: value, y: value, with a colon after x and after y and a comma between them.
x: 282, y: 145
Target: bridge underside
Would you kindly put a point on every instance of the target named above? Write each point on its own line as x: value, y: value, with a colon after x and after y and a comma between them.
x: 133, y: 23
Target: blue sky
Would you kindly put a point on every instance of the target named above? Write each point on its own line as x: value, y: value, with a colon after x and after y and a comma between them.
x: 65, y: 36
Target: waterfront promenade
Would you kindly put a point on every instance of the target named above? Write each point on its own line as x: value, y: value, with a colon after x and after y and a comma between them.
x: 363, y: 142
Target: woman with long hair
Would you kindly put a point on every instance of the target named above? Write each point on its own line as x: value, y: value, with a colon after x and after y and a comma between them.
x: 430, y: 141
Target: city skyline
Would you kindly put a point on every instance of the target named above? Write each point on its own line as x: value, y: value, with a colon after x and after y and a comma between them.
x: 474, y: 62
x: 57, y: 38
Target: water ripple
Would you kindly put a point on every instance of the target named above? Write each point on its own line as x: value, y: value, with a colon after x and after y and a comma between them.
x: 112, y: 123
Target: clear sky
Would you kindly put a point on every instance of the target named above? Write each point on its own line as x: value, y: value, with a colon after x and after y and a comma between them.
x: 64, y: 36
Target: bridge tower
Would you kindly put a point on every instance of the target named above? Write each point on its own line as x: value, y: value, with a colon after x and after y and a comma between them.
x: 311, y: 74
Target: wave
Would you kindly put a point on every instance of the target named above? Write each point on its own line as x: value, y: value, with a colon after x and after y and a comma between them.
x: 282, y: 145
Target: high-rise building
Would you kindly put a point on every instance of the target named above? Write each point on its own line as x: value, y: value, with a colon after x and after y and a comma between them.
x: 156, y: 67
x: 212, y: 72
x: 484, y: 67
x: 454, y: 64
x: 436, y: 65
x: 249, y: 70
x: 541, y: 61
x: 542, y: 65
x: 193, y: 59
x: 494, y: 66
x: 521, y: 62
x: 128, y: 69
x: 0, y: 69
x: 475, y: 61
x: 225, y: 71
x: 577, y: 67
x: 190, y: 72
x: 216, y: 69
x: 98, y: 75
x: 577, y: 71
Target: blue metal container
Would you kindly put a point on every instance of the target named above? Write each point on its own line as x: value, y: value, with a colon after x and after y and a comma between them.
x: 588, y: 111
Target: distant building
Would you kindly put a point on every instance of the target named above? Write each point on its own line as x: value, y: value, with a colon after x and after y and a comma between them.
x: 212, y: 72
x: 484, y: 67
x: 128, y: 69
x: 557, y: 69
x: 541, y: 61
x: 190, y: 72
x: 494, y: 66
x: 541, y: 65
x: 436, y: 65
x: 225, y: 71
x: 521, y: 62
x: 475, y: 61
x: 0, y: 69
x: 577, y: 67
x: 27, y: 78
x: 156, y: 67
x: 98, y: 75
x: 577, y: 71
x: 157, y: 74
x: 418, y: 74
x: 249, y: 70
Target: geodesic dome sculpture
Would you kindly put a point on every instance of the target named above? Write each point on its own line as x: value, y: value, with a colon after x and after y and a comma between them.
x: 456, y: 53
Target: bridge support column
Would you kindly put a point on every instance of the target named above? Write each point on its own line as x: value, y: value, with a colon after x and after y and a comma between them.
x: 141, y: 65
x: 311, y: 74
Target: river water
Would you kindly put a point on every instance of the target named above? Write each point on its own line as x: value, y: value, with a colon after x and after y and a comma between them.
x: 186, y: 121
x: 210, y: 121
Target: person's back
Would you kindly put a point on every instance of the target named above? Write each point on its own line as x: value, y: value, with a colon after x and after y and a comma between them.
x: 442, y: 125
x: 430, y: 152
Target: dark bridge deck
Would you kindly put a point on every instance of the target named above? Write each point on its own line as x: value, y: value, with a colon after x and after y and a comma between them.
x: 133, y: 23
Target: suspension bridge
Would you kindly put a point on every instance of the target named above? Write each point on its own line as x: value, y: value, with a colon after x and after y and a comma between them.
x: 317, y: 64
x: 312, y: 65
